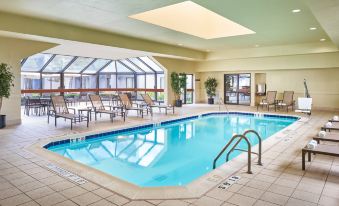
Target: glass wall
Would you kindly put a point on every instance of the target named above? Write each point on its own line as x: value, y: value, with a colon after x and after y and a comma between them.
x: 138, y: 75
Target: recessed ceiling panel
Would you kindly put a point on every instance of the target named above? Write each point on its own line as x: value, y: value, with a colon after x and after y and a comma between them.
x: 191, y: 18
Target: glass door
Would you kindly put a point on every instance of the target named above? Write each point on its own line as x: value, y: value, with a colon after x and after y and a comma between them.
x: 187, y: 95
x: 237, y: 89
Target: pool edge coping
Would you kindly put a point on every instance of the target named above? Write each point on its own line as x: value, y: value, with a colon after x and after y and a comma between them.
x: 195, y: 189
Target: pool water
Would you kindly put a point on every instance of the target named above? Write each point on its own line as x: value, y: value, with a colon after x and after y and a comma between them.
x: 170, y: 155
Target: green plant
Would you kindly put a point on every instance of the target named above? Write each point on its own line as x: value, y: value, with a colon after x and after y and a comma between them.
x: 6, y: 81
x: 178, y: 84
x: 211, y: 86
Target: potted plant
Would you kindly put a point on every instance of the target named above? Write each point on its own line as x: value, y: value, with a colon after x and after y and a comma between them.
x: 6, y: 82
x: 178, y: 84
x: 211, y: 86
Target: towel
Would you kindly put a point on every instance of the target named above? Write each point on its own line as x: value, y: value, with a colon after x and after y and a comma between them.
x: 328, y: 124
x: 312, y: 144
x: 322, y: 134
x: 336, y: 118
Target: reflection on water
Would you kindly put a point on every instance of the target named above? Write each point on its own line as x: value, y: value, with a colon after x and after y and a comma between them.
x: 174, y: 154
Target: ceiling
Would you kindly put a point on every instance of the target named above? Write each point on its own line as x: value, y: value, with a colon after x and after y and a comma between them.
x: 272, y: 20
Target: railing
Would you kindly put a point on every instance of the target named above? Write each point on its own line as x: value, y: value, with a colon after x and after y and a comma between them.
x: 221, y: 101
x: 27, y: 91
x: 249, y: 149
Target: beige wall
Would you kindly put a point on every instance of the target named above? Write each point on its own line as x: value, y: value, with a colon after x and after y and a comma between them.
x: 11, y: 52
x: 175, y: 65
x: 323, y: 84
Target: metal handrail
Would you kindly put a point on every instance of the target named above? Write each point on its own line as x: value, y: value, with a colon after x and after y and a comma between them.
x: 234, y: 146
x: 260, y: 143
x: 229, y: 143
x: 222, y: 102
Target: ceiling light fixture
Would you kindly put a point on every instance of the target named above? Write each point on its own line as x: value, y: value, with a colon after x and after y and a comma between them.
x: 257, y: 45
x: 180, y: 44
x: 322, y: 39
x: 296, y: 10
x: 313, y: 28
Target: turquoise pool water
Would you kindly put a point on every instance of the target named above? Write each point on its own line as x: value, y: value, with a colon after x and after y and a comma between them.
x: 169, y: 155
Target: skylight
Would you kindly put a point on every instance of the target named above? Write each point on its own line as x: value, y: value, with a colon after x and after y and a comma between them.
x: 191, y: 18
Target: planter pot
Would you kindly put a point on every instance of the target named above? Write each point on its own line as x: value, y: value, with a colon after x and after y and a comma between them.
x: 178, y: 103
x: 2, y: 121
x: 210, y: 100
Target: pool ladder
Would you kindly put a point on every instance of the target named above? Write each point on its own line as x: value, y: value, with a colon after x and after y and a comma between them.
x: 239, y: 138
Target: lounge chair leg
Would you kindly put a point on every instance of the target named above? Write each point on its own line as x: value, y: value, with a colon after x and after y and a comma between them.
x: 303, y: 160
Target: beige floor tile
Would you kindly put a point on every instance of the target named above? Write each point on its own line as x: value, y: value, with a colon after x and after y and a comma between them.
x: 241, y: 200
x: 220, y: 194
x: 307, y: 196
x: 15, y: 200
x: 156, y: 202
x: 310, y: 188
x: 138, y: 203
x: 265, y: 178
x: 282, y: 190
x: 22, y: 181
x: 227, y: 204
x: 173, y: 203
x: 263, y: 203
x: 5, y: 185
x: 331, y: 190
x: 9, y: 193
x: 51, y: 199
x: 102, y: 202
x: 89, y: 186
x: 297, y: 202
x: 73, y: 192
x: 52, y: 180
x: 286, y: 182
x: 30, y: 203
x: 207, y: 201
x: 30, y: 186
x: 328, y: 201
x: 40, y: 192
x: 251, y: 192
x: 86, y: 198
x: 66, y: 203
x: 274, y: 198
x: 63, y: 185
x: 235, y: 188
x: 258, y: 184
x: 117, y: 199
x: 103, y: 192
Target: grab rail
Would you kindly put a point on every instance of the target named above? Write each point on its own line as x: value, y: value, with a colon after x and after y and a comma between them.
x: 234, y: 146
x: 259, y: 142
x: 249, y: 151
x: 229, y: 143
x: 222, y: 102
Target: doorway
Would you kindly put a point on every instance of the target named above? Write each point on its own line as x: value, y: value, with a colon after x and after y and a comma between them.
x: 187, y: 95
x: 237, y: 89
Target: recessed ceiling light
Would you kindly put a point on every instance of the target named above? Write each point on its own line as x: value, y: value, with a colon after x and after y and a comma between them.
x: 296, y: 10
x: 180, y: 44
x: 191, y: 18
x: 257, y: 45
x: 313, y: 28
x: 322, y: 39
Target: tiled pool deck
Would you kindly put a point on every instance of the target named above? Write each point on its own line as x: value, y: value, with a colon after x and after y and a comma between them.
x: 25, y: 179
